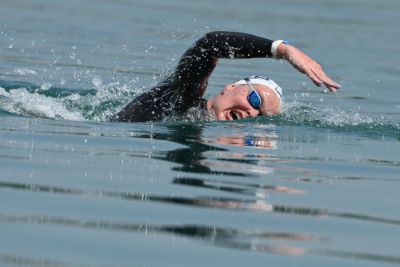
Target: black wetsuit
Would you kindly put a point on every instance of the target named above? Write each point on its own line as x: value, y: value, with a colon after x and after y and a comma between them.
x: 184, y: 88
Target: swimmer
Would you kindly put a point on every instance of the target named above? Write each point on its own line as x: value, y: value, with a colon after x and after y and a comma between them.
x: 249, y: 97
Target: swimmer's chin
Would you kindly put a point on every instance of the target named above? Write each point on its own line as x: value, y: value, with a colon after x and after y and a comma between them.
x: 211, y: 116
x: 194, y: 114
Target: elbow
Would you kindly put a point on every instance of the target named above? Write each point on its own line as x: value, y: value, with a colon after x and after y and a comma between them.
x: 210, y: 37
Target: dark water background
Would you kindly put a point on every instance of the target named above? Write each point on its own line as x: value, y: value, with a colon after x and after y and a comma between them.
x: 317, y: 185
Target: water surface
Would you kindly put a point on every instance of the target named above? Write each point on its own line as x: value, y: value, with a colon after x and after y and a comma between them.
x: 316, y: 185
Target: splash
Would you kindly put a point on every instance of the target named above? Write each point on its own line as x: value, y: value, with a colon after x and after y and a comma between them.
x: 46, y: 101
x: 349, y: 121
x: 22, y: 102
x: 104, y: 100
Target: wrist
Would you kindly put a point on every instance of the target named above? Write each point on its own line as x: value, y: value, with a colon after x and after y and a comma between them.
x: 278, y: 49
x: 281, y: 51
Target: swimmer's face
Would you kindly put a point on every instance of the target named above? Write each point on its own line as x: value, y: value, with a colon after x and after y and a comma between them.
x: 232, y: 104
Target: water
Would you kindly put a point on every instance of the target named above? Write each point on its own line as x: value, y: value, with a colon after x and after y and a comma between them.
x: 317, y: 185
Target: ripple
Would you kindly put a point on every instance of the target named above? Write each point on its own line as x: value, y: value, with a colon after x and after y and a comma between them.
x: 259, y: 205
x: 18, y: 260
x: 235, y: 187
x: 248, y: 240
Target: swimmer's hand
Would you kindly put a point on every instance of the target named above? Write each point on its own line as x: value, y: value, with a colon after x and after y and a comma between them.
x: 306, y: 65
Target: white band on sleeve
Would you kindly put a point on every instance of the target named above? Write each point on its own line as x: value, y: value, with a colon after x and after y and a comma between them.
x: 274, y: 47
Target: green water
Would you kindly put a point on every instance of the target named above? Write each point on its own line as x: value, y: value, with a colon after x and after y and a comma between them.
x: 316, y: 185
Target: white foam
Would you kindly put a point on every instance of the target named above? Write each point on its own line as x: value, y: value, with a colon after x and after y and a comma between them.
x: 45, y: 86
x: 22, y: 102
x: 91, y: 105
x: 25, y: 71
x: 326, y: 116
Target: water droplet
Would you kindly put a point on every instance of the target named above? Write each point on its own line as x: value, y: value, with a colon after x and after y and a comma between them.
x: 45, y: 86
x: 97, y: 82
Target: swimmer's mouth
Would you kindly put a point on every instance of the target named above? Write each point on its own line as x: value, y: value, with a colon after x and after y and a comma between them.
x: 234, y: 115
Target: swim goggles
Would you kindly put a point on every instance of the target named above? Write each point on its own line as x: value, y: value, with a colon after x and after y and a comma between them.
x: 254, y: 97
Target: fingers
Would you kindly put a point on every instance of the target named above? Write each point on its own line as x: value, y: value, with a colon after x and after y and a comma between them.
x: 319, y: 77
x: 311, y: 68
x: 313, y: 77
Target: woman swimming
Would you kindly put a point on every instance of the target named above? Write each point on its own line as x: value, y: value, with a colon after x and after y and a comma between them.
x: 248, y: 97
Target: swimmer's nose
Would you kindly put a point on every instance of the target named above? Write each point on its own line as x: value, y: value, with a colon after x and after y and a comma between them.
x: 254, y: 113
x: 250, y: 113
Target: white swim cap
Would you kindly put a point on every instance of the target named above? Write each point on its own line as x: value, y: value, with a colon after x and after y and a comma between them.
x: 255, y: 79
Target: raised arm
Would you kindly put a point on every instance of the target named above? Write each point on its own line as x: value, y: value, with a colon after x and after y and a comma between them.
x: 199, y: 60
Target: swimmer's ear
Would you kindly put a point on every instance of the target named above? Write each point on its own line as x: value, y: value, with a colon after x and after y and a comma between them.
x: 230, y: 87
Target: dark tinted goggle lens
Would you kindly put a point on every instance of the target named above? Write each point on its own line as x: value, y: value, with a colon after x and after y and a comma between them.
x: 254, y: 99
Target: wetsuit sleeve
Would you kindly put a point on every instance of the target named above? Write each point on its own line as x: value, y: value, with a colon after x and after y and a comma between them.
x: 199, y: 60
